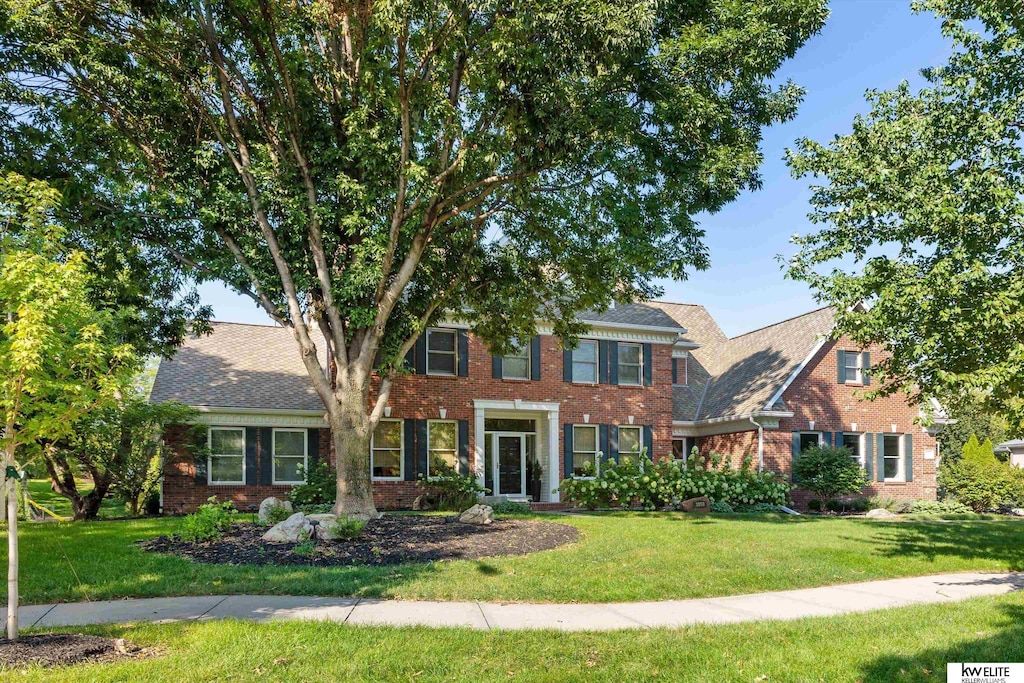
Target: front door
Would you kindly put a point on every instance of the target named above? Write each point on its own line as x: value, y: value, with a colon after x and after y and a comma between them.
x: 511, y: 479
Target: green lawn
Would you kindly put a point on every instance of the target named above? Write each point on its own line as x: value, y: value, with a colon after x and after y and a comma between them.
x: 896, y: 645
x: 41, y: 493
x: 620, y: 557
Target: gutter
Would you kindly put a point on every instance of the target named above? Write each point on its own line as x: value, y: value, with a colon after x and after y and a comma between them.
x: 760, y: 443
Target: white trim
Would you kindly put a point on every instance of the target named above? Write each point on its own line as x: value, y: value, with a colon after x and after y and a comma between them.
x: 792, y: 378
x: 233, y: 417
x: 683, y: 347
x: 496, y: 464
x: 455, y: 423
x: 597, y: 449
x: 211, y: 455
x: 901, y: 472
x: 273, y: 455
x: 516, y: 404
x: 401, y: 451
x: 657, y: 334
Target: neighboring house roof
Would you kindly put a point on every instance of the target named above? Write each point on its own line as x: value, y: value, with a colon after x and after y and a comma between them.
x: 238, y: 366
x: 743, y: 373
x: 1012, y: 445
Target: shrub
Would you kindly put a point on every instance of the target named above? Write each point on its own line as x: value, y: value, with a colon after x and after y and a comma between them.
x: 320, y: 487
x: 278, y: 513
x: 814, y: 504
x: 860, y: 504
x: 940, y: 507
x: 304, y: 549
x: 829, y: 471
x: 757, y: 507
x: 508, y: 507
x: 207, y: 523
x: 834, y: 505
x: 347, y: 528
x: 978, y: 480
x: 883, y: 502
x: 314, y: 508
x: 638, y: 481
x: 454, y: 491
x: 721, y: 506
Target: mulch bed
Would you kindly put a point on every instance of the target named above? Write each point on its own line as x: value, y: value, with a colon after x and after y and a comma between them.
x: 59, y: 649
x: 390, y: 540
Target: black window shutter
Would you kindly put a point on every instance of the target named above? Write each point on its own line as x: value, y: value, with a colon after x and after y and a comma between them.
x: 421, y: 354
x: 602, y: 362
x: 613, y: 442
x: 880, y: 459
x: 463, y: 339
x: 409, y: 445
x: 535, y: 358
x: 567, y: 439
x: 869, y: 454
x: 496, y: 367
x: 201, y: 464
x: 464, y: 447
x: 266, y: 454
x: 313, y: 447
x: 567, y: 365
x: 865, y: 365
x: 838, y: 439
x: 828, y: 438
x: 613, y: 363
x: 841, y: 367
x: 410, y: 359
x: 647, y: 365
x: 602, y: 432
x: 675, y: 371
x: 250, y: 457
x: 796, y: 454
x: 421, y: 447
x: 649, y: 441
x: 908, y: 456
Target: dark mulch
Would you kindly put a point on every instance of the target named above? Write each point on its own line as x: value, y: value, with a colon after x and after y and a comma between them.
x: 392, y: 539
x: 58, y: 649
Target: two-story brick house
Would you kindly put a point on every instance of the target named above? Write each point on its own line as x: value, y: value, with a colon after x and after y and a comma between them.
x: 657, y: 376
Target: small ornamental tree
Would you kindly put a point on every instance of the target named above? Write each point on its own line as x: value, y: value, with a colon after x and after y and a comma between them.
x: 829, y: 471
x: 978, y: 479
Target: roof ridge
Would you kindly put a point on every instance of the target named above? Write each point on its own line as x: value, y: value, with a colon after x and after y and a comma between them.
x: 232, y: 322
x: 785, y: 320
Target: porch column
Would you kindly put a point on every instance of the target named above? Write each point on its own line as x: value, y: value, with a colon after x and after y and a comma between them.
x: 478, y: 445
x: 554, y: 446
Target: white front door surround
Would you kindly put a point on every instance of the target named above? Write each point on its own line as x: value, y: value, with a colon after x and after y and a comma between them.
x: 553, y: 444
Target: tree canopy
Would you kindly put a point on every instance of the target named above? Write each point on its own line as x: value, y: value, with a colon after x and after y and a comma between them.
x: 922, y: 207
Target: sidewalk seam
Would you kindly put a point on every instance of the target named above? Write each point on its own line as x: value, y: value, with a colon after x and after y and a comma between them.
x: 484, y: 615
x: 211, y: 608
x: 43, y: 615
x: 347, y: 616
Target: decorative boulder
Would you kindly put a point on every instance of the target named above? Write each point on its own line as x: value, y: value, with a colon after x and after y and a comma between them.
x: 1017, y: 512
x: 270, y: 503
x: 478, y: 514
x: 698, y: 504
x: 880, y: 513
x: 292, y: 530
x: 324, y: 518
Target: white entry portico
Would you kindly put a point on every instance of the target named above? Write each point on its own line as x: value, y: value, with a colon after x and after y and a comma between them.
x: 502, y: 444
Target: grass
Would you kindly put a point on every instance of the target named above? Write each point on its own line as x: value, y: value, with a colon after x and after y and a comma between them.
x: 619, y: 557
x: 42, y: 494
x: 903, y: 645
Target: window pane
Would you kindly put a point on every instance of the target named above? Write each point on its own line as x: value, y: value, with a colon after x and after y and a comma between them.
x: 580, y: 462
x: 441, y: 363
x: 807, y: 441
x: 629, y: 374
x: 629, y: 353
x: 586, y: 351
x: 629, y: 439
x: 584, y: 372
x: 442, y: 435
x: 440, y: 458
x: 514, y: 367
x: 387, y: 463
x: 852, y: 441
x: 289, y: 443
x: 584, y: 439
x: 440, y: 341
x: 288, y: 469
x: 388, y: 434
x: 226, y: 468
x: 227, y: 442
x: 892, y: 446
x: 892, y: 467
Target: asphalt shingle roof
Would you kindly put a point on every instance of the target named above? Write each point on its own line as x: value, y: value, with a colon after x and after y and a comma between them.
x: 632, y: 314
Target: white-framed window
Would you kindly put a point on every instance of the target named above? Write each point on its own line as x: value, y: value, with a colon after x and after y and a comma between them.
x: 442, y: 445
x: 441, y: 352
x: 516, y: 365
x: 854, y: 371
x: 584, y: 362
x: 809, y: 440
x: 584, y: 451
x: 387, y: 450
x: 855, y: 443
x: 290, y: 451
x: 892, y: 452
x: 631, y: 364
x: 682, y: 448
x: 226, y: 462
x: 631, y: 440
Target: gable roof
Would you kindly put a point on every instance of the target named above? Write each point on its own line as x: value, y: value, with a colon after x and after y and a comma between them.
x: 238, y: 366
x: 746, y: 371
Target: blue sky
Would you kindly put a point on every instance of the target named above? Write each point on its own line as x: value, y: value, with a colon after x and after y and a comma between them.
x: 865, y: 44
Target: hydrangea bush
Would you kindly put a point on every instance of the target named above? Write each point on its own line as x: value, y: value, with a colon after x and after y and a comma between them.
x: 637, y: 481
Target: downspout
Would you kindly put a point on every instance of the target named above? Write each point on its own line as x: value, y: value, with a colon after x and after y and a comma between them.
x: 760, y: 443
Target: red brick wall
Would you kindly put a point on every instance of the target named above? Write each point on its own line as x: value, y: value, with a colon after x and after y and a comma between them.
x: 421, y: 397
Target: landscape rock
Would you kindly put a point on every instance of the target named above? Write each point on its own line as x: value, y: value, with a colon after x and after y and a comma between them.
x: 324, y: 518
x: 478, y: 514
x: 292, y: 530
x: 1017, y: 512
x: 698, y: 504
x: 880, y: 513
x: 270, y: 503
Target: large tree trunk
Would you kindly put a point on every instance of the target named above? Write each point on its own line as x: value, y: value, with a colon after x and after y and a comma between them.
x: 88, y: 506
x: 350, y: 434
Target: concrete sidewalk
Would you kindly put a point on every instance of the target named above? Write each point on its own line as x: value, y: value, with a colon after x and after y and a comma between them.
x: 830, y: 600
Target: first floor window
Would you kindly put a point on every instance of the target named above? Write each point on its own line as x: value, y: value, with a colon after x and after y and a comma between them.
x: 631, y: 364
x: 386, y: 450
x: 289, y: 456
x: 852, y: 443
x: 516, y: 365
x: 682, y: 448
x: 441, y: 358
x: 891, y: 445
x: 630, y: 440
x: 442, y: 447
x: 584, y: 362
x: 227, y: 455
x: 809, y: 440
x: 584, y: 451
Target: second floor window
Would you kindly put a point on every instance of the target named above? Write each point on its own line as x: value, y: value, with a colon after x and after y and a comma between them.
x: 854, y: 372
x: 584, y: 363
x: 631, y: 364
x: 516, y: 365
x: 441, y: 358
